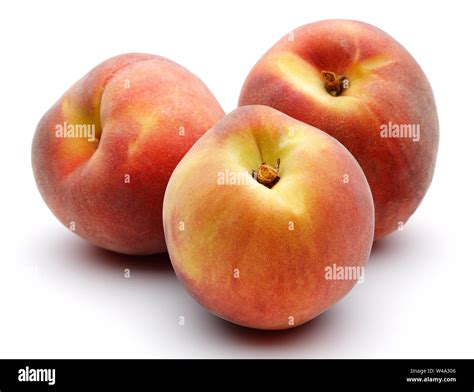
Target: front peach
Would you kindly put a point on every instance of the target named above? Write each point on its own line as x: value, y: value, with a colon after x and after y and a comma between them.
x: 256, y: 213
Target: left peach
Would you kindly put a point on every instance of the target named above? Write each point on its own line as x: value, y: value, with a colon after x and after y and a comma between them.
x: 103, y: 154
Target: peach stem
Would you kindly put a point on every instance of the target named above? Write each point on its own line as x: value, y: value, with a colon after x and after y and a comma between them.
x: 335, y: 84
x: 268, y: 175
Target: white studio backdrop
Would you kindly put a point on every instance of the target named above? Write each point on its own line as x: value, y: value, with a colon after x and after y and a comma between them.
x: 61, y: 297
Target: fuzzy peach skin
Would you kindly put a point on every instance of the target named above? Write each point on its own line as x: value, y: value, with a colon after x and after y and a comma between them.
x: 254, y: 255
x: 385, y: 85
x: 147, y: 112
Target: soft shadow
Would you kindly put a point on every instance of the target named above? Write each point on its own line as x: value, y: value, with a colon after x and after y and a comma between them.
x: 65, y: 250
x: 318, y: 328
x: 155, y: 263
x: 420, y: 241
x: 398, y: 241
x: 385, y: 245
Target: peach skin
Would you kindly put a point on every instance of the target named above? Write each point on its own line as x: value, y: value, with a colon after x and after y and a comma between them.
x: 103, y: 154
x: 276, y: 206
x: 358, y: 84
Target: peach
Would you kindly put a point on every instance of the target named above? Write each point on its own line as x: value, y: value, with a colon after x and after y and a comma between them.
x: 103, y: 154
x: 275, y: 205
x: 358, y: 84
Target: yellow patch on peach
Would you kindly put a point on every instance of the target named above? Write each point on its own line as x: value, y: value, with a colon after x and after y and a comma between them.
x: 147, y: 125
x: 77, y: 148
x: 359, y: 73
x: 307, y: 79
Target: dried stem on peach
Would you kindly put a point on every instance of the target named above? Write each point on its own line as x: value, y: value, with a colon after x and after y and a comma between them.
x: 267, y: 175
x: 335, y: 84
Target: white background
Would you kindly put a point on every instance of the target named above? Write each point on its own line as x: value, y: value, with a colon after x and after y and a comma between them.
x: 61, y: 297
